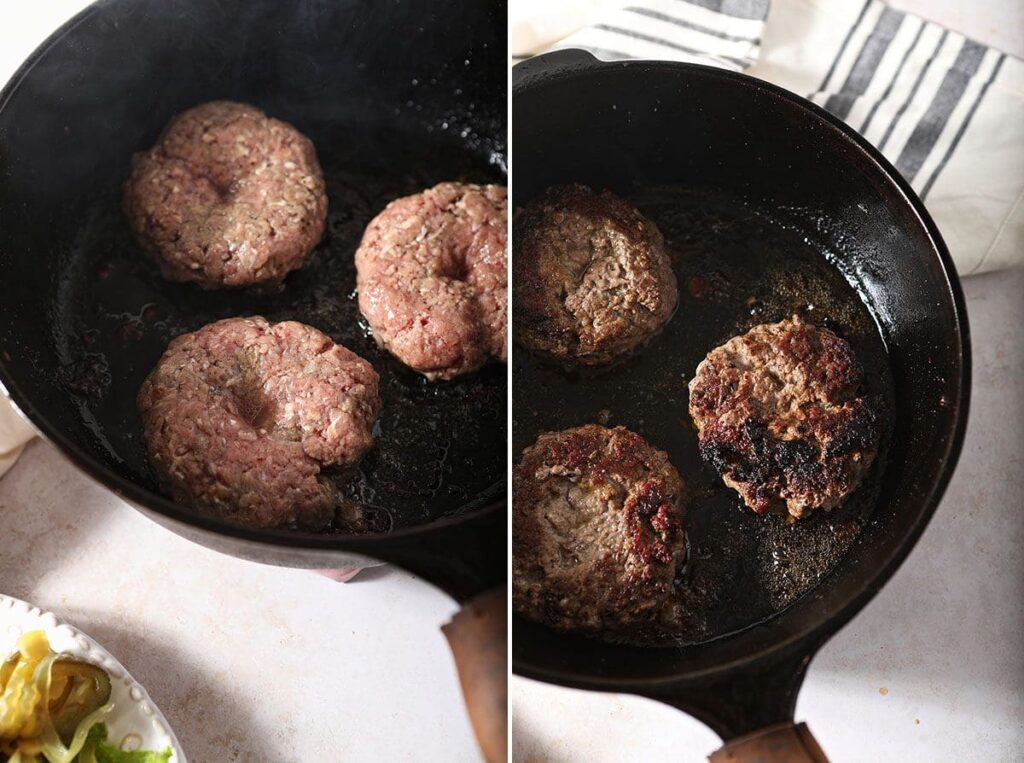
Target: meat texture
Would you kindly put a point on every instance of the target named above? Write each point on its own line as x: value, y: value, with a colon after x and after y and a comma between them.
x: 780, y: 413
x: 597, y: 534
x: 591, y: 280
x: 432, y: 278
x: 227, y: 197
x: 241, y: 416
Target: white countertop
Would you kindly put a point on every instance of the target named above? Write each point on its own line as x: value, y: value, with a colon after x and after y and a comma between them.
x: 249, y: 663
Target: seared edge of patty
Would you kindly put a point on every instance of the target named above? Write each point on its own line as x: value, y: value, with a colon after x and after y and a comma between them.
x: 597, y: 535
x: 591, y: 278
x: 780, y: 414
x: 432, y: 278
x: 228, y: 197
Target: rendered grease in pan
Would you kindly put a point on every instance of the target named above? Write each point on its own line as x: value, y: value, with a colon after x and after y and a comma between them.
x: 440, y: 448
x: 737, y: 266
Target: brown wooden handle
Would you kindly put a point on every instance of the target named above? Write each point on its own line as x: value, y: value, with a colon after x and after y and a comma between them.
x: 783, y: 743
x: 478, y: 637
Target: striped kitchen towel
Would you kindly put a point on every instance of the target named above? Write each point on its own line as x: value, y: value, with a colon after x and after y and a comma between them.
x: 948, y: 112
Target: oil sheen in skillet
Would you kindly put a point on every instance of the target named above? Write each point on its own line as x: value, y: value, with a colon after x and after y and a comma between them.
x: 440, y: 448
x: 737, y: 266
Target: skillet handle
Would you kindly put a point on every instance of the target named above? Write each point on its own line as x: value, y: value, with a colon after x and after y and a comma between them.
x: 554, y: 62
x: 782, y: 743
x: 478, y: 637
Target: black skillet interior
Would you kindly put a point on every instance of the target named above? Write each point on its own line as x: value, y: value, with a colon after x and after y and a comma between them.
x: 396, y: 97
x: 738, y: 265
x: 769, y: 207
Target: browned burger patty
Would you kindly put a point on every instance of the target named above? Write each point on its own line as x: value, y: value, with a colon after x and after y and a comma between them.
x: 433, y: 281
x: 780, y: 413
x: 597, y: 536
x: 591, y: 280
x: 240, y: 417
x: 227, y: 197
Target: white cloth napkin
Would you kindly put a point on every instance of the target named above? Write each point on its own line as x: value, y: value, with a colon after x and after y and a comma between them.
x: 14, y: 433
x: 948, y: 112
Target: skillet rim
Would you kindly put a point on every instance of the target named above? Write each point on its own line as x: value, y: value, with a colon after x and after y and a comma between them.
x: 145, y: 501
x: 574, y: 62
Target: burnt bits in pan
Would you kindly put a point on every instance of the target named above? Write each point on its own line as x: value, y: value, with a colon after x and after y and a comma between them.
x: 740, y: 265
x: 439, y: 448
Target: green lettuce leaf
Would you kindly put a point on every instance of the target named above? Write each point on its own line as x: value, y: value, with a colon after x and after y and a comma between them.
x: 98, y: 750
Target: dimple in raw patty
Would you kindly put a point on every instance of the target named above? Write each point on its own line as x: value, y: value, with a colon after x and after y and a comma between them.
x: 432, y: 278
x: 228, y: 197
x: 591, y: 280
x: 597, y: 536
x: 240, y: 417
x: 781, y: 415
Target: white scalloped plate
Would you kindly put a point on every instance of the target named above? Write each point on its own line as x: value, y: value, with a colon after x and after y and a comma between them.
x: 135, y: 722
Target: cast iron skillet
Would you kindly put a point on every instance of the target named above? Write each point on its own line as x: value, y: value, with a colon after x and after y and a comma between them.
x: 770, y: 206
x: 396, y: 97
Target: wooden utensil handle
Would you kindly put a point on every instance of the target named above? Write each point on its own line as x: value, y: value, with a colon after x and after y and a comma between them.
x: 478, y: 637
x: 782, y: 743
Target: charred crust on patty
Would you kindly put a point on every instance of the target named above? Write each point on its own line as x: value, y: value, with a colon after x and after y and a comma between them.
x: 592, y: 280
x: 781, y: 414
x: 597, y: 529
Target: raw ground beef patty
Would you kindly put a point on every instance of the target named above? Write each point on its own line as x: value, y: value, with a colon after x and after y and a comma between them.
x: 781, y: 415
x: 597, y: 536
x: 227, y: 197
x: 240, y: 417
x: 432, y: 278
x: 591, y: 280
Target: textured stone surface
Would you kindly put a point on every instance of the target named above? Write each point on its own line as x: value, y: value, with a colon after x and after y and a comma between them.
x: 248, y: 662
